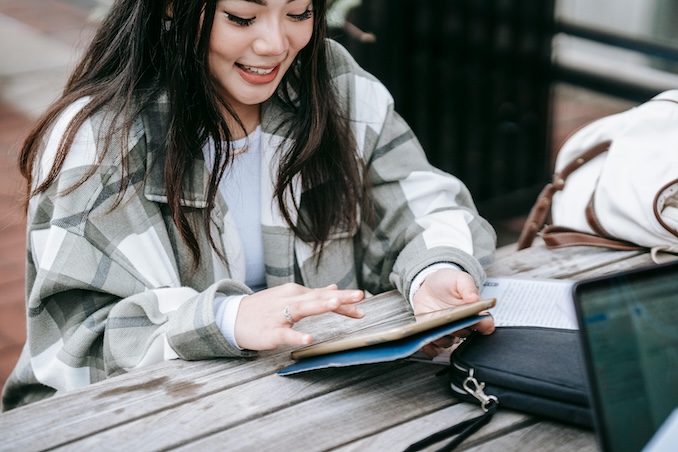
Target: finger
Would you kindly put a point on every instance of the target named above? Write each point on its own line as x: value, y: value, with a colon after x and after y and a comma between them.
x: 293, y: 337
x: 466, y: 332
x: 287, y: 313
x: 466, y: 286
x: 470, y: 295
x: 445, y: 342
x: 322, y: 303
x: 485, y: 326
x: 350, y: 310
x: 331, y: 291
x: 430, y: 350
x: 302, y: 309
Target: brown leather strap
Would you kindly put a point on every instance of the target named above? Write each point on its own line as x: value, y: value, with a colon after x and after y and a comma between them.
x: 559, y: 237
x: 539, y: 212
x: 537, y: 217
x: 657, y: 214
x: 593, y: 222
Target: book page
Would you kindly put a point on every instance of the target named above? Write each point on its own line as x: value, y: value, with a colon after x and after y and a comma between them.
x: 544, y: 303
x: 531, y: 302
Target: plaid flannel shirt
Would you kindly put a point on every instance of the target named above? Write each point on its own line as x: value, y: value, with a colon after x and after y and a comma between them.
x: 111, y: 287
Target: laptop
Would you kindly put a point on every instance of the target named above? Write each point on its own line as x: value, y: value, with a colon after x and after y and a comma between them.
x: 628, y: 324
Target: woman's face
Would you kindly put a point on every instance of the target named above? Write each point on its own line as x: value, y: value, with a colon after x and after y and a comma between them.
x: 253, y: 43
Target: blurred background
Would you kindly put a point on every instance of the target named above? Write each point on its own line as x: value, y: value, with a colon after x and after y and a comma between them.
x: 491, y: 88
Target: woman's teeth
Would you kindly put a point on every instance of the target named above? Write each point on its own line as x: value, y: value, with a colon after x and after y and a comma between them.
x: 256, y: 70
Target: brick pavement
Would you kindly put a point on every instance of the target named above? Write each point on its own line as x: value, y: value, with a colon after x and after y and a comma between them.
x: 66, y: 23
x: 13, y: 126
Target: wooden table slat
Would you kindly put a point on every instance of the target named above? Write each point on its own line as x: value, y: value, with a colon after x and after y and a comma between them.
x: 400, y: 436
x: 543, y: 436
x: 565, y: 263
x: 272, y: 397
x: 340, y: 417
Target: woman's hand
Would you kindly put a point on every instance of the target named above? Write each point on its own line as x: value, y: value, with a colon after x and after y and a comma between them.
x: 443, y: 289
x: 262, y: 325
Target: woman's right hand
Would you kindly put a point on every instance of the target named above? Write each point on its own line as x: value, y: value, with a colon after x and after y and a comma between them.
x: 261, y: 323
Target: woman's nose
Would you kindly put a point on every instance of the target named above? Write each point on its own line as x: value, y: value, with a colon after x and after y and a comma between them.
x: 272, y: 40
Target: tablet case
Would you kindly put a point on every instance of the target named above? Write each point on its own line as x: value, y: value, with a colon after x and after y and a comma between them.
x: 387, y: 351
x: 530, y: 369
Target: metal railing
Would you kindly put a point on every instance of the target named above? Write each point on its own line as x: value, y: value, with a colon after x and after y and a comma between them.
x: 635, y: 85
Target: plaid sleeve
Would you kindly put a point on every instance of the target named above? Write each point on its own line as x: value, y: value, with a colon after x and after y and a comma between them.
x: 424, y: 215
x: 108, y: 289
x: 427, y: 215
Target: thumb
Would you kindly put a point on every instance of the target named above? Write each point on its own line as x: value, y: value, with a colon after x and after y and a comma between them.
x: 468, y: 290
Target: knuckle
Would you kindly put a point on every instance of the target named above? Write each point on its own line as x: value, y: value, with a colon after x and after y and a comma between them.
x: 291, y: 288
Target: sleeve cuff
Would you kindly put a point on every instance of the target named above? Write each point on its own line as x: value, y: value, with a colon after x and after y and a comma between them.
x: 225, y: 313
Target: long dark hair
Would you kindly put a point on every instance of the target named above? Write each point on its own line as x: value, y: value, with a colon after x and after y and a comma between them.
x: 139, y: 52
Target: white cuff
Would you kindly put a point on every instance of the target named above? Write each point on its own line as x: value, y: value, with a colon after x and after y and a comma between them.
x: 421, y: 276
x: 225, y: 313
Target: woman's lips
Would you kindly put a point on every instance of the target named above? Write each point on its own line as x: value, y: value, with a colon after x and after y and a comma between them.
x: 257, y: 75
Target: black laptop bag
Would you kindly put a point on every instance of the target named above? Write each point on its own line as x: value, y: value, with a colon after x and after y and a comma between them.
x: 535, y: 370
x: 530, y: 369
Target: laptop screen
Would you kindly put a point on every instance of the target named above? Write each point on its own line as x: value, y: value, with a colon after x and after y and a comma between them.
x: 629, y: 327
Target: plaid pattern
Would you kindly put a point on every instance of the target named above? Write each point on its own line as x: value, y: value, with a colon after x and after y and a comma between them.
x: 111, y: 288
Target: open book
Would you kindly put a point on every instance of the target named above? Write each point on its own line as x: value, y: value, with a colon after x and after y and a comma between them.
x: 531, y: 302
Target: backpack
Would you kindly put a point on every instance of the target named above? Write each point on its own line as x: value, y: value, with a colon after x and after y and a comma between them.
x: 615, y: 184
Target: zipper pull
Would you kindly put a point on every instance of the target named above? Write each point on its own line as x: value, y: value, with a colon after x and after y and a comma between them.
x: 476, y: 389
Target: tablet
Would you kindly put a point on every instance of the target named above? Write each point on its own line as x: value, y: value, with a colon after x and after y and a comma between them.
x: 392, y: 330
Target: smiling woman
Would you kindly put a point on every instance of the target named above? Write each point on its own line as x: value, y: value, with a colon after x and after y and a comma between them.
x: 214, y: 172
x: 252, y: 45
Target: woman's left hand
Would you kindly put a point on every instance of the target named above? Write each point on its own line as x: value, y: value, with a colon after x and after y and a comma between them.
x: 443, y: 289
x: 265, y: 318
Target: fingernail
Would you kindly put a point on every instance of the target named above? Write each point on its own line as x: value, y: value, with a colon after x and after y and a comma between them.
x: 360, y: 312
x: 357, y: 295
x: 333, y: 303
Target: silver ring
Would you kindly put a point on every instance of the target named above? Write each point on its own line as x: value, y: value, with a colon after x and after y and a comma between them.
x: 288, y: 316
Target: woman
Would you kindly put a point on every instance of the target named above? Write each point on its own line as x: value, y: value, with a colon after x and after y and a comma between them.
x: 214, y: 172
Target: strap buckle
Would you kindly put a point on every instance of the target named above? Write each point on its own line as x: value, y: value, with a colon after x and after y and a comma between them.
x: 477, y: 390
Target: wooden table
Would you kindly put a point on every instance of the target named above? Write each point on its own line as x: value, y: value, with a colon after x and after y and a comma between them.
x: 238, y: 404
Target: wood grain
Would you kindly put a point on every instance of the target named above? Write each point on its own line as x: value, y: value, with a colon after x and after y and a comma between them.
x: 242, y: 404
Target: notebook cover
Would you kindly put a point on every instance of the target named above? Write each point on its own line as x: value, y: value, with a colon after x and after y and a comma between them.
x: 387, y: 351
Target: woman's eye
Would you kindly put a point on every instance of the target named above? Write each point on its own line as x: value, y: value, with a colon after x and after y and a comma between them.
x: 240, y: 20
x: 303, y: 16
